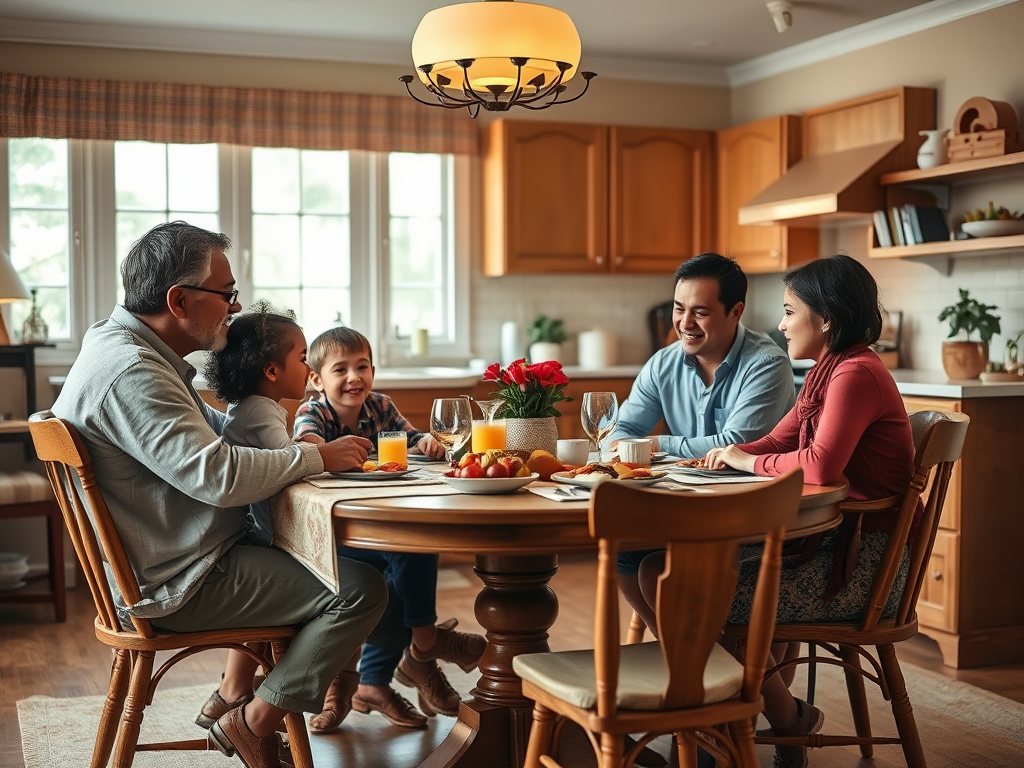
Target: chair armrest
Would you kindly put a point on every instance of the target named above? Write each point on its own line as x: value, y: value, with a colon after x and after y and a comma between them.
x: 876, y: 505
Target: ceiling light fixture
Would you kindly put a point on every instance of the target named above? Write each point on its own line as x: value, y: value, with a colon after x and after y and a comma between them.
x: 782, y: 14
x: 496, y: 54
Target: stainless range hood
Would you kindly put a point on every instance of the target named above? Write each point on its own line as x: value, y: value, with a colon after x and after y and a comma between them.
x: 847, y: 148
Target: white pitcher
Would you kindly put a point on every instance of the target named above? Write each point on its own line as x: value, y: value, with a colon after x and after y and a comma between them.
x: 933, y: 151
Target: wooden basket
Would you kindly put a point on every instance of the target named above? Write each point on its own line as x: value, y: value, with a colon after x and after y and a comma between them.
x: 969, y: 146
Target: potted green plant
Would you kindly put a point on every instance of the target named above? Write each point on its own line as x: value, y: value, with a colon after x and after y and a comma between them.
x: 546, y: 337
x: 966, y: 359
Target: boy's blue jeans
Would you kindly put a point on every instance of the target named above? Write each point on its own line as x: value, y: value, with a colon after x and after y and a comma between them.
x: 412, y: 602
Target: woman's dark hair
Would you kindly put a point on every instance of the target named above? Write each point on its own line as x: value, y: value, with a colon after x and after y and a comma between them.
x: 340, y: 339
x: 842, y: 291
x: 258, y: 337
x: 732, y: 283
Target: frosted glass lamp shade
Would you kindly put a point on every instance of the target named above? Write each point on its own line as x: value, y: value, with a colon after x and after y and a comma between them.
x: 11, y: 289
x: 491, y: 33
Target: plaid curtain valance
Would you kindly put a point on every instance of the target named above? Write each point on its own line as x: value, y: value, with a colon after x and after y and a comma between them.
x: 69, y: 108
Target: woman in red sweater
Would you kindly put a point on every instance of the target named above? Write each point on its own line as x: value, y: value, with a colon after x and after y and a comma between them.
x: 849, y: 420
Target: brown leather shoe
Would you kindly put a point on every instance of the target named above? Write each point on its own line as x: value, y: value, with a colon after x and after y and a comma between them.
x: 337, y: 702
x: 232, y: 736
x: 462, y: 649
x: 436, y: 695
x: 397, y: 710
x: 809, y: 719
x: 215, y: 708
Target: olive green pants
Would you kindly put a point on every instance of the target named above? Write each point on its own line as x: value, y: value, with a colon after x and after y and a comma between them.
x: 254, y: 586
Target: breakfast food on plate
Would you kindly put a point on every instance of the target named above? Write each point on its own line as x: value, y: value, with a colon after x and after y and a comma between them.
x: 492, y: 463
x: 691, y: 463
x: 616, y: 470
x: 544, y: 464
x: 388, y: 466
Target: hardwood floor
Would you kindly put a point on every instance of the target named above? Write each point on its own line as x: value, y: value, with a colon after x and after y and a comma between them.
x: 39, y: 657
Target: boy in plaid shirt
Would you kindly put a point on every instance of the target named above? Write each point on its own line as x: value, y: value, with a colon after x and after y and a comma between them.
x: 407, y: 643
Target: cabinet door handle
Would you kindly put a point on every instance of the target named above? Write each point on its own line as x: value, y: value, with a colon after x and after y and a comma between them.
x: 775, y: 254
x: 599, y: 260
x: 619, y: 261
x: 937, y: 575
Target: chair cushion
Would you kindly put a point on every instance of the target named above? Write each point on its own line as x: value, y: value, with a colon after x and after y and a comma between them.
x: 24, y: 488
x: 570, y: 676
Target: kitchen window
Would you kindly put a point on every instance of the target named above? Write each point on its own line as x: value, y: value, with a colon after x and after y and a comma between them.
x: 368, y: 239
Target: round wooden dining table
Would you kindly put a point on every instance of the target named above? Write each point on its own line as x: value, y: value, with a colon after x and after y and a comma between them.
x: 516, y: 539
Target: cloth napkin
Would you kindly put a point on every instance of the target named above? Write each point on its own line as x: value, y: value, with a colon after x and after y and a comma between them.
x: 701, y: 479
x: 301, y: 515
x: 552, y: 492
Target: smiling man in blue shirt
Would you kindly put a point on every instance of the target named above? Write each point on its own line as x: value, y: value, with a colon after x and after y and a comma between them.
x: 722, y: 383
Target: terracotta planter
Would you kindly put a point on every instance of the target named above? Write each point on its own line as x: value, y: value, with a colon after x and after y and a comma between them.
x: 964, y: 359
x: 531, y: 434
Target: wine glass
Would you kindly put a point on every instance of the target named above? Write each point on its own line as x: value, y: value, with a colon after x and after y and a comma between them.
x: 600, y: 414
x: 451, y: 424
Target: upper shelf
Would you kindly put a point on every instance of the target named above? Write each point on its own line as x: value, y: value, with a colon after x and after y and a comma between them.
x: 966, y: 172
x: 979, y: 246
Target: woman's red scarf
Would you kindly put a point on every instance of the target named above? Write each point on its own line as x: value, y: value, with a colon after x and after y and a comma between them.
x: 809, y: 406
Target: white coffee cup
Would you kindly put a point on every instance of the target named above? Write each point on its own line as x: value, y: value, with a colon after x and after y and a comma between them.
x: 574, y: 453
x: 635, y: 450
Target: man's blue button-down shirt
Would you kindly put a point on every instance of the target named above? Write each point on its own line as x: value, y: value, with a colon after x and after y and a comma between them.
x: 752, y: 390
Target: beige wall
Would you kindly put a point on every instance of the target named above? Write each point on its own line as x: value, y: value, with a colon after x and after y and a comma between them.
x: 981, y: 55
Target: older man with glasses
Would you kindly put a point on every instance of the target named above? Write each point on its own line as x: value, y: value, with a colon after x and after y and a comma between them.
x: 178, y: 493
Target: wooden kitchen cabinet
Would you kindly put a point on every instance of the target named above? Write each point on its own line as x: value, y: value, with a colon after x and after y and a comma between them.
x: 749, y: 158
x: 585, y: 198
x: 971, y: 603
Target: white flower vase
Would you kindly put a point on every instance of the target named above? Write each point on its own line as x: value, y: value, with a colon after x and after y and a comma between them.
x: 531, y: 434
x: 542, y: 351
x: 933, y: 151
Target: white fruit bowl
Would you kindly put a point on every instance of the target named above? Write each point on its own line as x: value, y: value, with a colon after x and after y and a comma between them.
x: 995, y: 228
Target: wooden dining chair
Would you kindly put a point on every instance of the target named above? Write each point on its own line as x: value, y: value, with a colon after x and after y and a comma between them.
x: 132, y: 681
x: 939, y: 439
x: 686, y: 684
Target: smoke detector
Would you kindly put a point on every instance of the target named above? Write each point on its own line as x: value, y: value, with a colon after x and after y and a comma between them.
x: 782, y: 14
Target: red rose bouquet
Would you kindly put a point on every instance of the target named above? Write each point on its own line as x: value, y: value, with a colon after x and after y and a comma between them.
x: 529, y: 391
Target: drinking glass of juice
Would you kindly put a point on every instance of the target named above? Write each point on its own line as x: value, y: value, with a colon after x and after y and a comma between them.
x: 393, y: 446
x: 488, y: 435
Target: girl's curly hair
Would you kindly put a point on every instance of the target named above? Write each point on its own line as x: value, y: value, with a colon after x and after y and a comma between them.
x: 256, y: 338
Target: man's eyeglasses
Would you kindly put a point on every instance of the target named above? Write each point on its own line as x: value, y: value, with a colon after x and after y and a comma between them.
x: 229, y: 296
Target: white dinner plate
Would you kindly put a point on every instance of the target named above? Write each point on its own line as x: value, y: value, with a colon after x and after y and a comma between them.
x: 488, y: 484
x: 413, y: 458
x: 995, y: 228
x: 588, y: 481
x: 373, y: 477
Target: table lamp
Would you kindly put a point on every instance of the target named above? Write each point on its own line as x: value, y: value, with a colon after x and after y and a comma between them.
x: 11, y: 289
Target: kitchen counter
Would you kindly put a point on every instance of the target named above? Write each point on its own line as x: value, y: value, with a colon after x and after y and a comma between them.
x: 937, y: 384
x: 445, y: 377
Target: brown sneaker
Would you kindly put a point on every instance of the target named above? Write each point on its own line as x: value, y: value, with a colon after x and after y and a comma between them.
x: 809, y: 719
x: 337, y: 702
x: 232, y: 736
x: 397, y: 710
x: 436, y: 695
x: 462, y: 649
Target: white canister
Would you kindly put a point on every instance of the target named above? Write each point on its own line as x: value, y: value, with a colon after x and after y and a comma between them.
x: 597, y: 349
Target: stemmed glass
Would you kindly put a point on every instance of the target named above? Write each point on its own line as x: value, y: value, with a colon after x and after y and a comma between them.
x: 451, y: 424
x: 600, y: 414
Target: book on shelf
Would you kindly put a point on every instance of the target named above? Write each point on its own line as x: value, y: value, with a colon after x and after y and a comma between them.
x: 882, y: 229
x: 908, y: 230
x: 928, y: 223
x: 896, y: 227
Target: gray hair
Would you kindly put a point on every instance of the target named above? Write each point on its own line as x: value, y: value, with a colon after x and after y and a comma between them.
x: 175, y: 253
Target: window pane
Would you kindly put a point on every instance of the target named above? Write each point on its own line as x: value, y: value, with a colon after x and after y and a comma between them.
x: 275, y: 180
x: 415, y: 252
x: 416, y: 308
x: 325, y: 182
x: 276, y: 244
x: 325, y: 251
x: 38, y: 173
x: 192, y: 178
x: 130, y: 227
x: 281, y: 298
x: 208, y: 221
x: 140, y: 176
x: 414, y: 182
x: 39, y: 246
x: 324, y: 308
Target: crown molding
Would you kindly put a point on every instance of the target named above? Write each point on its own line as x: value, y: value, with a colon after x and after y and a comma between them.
x: 871, y: 33
x: 233, y: 43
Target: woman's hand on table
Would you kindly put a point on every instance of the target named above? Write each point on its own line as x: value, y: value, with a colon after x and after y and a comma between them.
x: 730, y: 456
x: 428, y: 446
x: 345, y: 453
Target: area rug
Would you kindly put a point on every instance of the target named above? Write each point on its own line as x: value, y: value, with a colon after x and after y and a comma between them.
x: 961, y: 727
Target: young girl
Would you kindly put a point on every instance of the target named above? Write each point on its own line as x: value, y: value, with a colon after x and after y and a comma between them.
x: 407, y: 641
x: 263, y: 362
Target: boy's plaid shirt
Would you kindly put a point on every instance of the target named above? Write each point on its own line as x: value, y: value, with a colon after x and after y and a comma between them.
x: 379, y: 414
